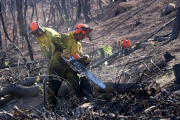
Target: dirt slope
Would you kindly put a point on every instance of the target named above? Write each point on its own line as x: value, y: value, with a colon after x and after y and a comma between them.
x: 123, y: 26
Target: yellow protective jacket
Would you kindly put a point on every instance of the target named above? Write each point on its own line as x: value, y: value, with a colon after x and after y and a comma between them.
x: 52, y: 44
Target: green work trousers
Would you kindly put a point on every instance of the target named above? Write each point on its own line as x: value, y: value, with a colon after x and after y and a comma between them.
x: 65, y: 72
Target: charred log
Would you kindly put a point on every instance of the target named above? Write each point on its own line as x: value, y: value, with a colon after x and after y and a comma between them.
x: 176, y: 69
x: 169, y: 8
x: 6, y: 116
x: 20, y: 90
x: 176, y: 27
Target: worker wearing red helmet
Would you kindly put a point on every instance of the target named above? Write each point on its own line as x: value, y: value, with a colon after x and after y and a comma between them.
x: 53, y: 45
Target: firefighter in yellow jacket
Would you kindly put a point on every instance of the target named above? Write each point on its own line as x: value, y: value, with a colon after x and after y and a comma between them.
x: 53, y: 45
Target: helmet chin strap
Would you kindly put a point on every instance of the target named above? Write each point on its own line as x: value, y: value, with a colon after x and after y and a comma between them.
x: 41, y: 28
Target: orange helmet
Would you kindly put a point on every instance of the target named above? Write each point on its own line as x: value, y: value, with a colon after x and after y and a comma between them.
x: 34, y: 26
x: 85, y: 29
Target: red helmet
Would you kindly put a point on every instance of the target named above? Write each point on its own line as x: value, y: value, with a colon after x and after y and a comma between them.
x: 85, y: 29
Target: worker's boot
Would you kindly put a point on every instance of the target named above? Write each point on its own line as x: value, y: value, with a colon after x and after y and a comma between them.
x: 86, y: 88
x: 53, y: 88
x: 74, y: 102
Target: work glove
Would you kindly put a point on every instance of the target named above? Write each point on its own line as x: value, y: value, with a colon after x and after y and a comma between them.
x: 86, y: 61
x: 66, y: 54
x: 87, y: 58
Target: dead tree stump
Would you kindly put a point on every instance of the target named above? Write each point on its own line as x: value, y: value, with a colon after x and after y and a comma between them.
x: 176, y: 69
x: 175, y: 31
x: 2, y: 57
x: 102, y: 53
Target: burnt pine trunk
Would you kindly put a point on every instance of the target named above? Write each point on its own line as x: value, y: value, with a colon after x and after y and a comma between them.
x: 44, y: 15
x: 79, y: 9
x: 7, y: 36
x: 0, y: 38
x: 25, y: 10
x: 60, y: 12
x: 19, y: 16
x: 65, y: 9
x: 35, y: 9
x: 175, y: 31
x: 32, y: 5
x: 68, y: 10
x: 13, y: 9
x: 53, y: 15
x: 58, y: 7
x: 86, y: 10
x: 51, y: 10
x: 22, y: 30
x: 176, y: 70
x: 100, y: 6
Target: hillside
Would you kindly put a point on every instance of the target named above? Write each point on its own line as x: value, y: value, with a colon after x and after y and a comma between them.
x: 144, y: 78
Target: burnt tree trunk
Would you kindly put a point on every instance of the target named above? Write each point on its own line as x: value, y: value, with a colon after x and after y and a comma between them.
x: 6, y: 34
x: 25, y: 10
x: 53, y: 14
x: 20, y: 17
x: 102, y: 53
x: 23, y: 32
x: 51, y: 10
x: 100, y: 5
x: 43, y: 14
x: 86, y: 10
x: 121, y: 88
x: 0, y: 38
x: 176, y: 69
x: 32, y: 5
x: 2, y: 57
x: 65, y: 9
x: 175, y: 31
x: 79, y: 9
x: 59, y: 8
x: 13, y: 8
x: 35, y: 9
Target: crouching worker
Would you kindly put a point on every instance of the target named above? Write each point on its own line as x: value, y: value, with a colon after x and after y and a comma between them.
x: 53, y: 45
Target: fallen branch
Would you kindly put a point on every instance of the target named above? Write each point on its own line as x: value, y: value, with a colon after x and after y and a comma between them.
x: 19, y: 113
x: 31, y: 81
x: 21, y: 90
x: 110, y: 116
x: 6, y: 116
x: 32, y: 91
x: 143, y: 58
x: 28, y: 82
x: 6, y: 100
x: 151, y: 109
x: 159, y: 29
x: 105, y: 59
x: 14, y: 65
x: 145, y: 89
